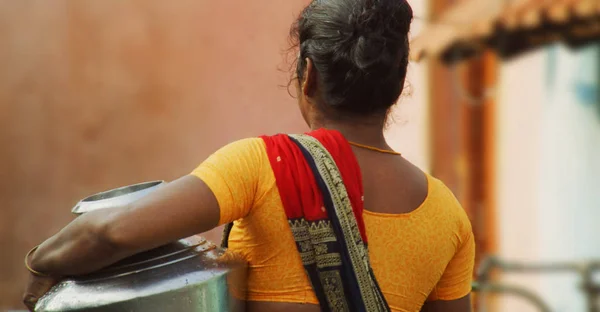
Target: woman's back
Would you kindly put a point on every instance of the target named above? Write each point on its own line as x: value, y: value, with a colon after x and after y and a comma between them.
x: 420, y: 240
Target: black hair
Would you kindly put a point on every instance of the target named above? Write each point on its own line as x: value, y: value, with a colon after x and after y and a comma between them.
x: 359, y: 49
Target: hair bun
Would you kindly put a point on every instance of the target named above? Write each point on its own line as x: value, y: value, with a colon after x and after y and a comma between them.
x: 379, y: 28
x: 391, y: 16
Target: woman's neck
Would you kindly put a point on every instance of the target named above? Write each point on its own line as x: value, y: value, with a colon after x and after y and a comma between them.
x: 367, y: 133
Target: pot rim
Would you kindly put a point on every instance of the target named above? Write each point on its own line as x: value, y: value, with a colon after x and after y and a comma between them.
x: 116, y: 197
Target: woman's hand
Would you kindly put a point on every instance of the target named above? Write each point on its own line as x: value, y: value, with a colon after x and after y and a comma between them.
x: 37, y: 286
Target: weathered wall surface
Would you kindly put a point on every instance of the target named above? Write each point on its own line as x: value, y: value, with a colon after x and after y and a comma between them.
x: 98, y: 94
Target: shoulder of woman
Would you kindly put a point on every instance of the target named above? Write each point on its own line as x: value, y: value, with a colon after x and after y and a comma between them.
x: 443, y: 198
x: 247, y: 146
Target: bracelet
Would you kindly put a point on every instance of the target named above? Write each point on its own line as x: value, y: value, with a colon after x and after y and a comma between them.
x: 34, y: 272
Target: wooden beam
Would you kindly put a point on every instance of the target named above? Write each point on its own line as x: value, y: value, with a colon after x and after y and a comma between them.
x: 463, y: 136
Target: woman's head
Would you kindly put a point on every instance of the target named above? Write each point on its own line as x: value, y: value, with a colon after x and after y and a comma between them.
x: 353, y: 57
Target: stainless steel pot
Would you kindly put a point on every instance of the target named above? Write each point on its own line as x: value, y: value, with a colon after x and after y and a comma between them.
x: 189, y: 275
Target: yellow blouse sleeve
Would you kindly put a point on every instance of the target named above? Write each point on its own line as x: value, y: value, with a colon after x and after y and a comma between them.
x: 456, y: 280
x: 233, y: 175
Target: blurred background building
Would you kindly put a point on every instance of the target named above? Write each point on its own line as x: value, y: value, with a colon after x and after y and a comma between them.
x: 522, y: 80
x: 503, y: 105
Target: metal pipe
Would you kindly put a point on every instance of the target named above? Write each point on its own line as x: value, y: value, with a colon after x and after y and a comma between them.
x: 584, y: 269
x: 485, y: 288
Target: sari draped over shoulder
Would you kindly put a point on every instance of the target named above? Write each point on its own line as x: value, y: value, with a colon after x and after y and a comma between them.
x: 320, y: 185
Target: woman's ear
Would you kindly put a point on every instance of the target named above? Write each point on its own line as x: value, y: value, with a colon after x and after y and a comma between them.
x: 310, y: 81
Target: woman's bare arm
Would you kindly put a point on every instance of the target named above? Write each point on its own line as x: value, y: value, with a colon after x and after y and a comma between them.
x: 459, y: 305
x: 96, y: 239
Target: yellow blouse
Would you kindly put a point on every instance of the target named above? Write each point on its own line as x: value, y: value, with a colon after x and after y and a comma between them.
x: 427, y: 254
